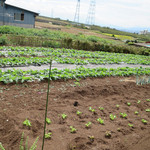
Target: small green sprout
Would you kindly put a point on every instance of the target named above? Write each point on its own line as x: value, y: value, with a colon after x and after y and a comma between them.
x: 129, y: 104
x: 147, y: 110
x: 48, y: 135
x: 123, y: 115
x: 64, y: 116
x: 112, y: 117
x: 136, y: 112
x: 48, y: 121
x: 130, y: 125
x: 108, y: 134
x: 100, y: 121
x: 144, y: 121
x: 148, y: 100
x: 78, y: 113
x: 138, y: 101
x: 27, y: 123
x: 1, y: 146
x: 117, y: 106
x: 72, y: 129
x: 88, y: 124
x: 91, y: 138
x: 101, y: 108
x: 92, y: 110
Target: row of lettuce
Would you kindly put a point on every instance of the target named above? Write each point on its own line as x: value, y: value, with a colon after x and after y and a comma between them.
x: 20, y: 76
x: 38, y: 61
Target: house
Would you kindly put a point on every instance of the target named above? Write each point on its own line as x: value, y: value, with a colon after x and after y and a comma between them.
x: 15, y: 16
x: 144, y: 32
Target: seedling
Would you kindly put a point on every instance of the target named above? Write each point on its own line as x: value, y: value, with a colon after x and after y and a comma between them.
x: 112, y: 117
x: 144, y: 121
x: 72, y: 129
x: 27, y: 123
x: 1, y: 146
x: 92, y: 110
x: 129, y: 104
x: 147, y: 110
x: 48, y: 135
x: 64, y: 116
x: 136, y: 112
x: 91, y: 138
x: 108, y: 134
x: 130, y: 125
x: 88, y: 124
x: 78, y: 113
x: 148, y: 100
x: 100, y: 121
x: 48, y: 121
x: 77, y: 83
x: 117, y: 106
x: 123, y: 115
x: 101, y: 108
x: 138, y: 101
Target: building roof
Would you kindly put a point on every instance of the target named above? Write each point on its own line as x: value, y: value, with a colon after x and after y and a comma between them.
x: 22, y: 8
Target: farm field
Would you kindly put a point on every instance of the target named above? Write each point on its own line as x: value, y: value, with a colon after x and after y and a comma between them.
x: 90, y: 107
x: 106, y: 96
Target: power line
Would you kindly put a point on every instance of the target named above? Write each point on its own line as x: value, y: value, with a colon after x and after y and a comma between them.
x: 77, y: 13
x: 91, y: 13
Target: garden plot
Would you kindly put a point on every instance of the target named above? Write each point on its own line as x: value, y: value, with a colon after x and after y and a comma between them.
x: 93, y: 113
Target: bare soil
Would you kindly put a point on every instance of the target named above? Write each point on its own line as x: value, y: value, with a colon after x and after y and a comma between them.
x: 18, y: 102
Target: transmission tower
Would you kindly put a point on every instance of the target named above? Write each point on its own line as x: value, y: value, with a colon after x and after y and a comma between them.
x: 77, y: 13
x: 91, y: 13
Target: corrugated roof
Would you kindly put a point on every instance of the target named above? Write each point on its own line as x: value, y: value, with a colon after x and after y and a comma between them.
x: 22, y: 8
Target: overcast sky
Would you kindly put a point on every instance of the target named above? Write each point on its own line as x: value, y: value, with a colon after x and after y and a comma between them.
x: 121, y: 13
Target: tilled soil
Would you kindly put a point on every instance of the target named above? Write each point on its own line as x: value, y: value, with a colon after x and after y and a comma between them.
x: 18, y: 102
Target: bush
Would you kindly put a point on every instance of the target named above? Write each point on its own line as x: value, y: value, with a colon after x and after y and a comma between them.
x: 3, y: 40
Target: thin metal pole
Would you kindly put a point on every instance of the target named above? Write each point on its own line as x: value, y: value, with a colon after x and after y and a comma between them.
x: 50, y: 70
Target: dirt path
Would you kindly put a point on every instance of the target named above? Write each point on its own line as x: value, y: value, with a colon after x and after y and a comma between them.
x: 72, y: 66
x: 21, y: 101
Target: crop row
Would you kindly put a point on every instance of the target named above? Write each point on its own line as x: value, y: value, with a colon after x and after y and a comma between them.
x: 16, y: 76
x: 24, y: 61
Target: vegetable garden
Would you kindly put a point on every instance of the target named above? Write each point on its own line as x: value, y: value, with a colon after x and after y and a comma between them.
x: 89, y: 108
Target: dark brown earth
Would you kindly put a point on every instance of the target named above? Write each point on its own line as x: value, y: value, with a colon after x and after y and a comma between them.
x: 18, y: 102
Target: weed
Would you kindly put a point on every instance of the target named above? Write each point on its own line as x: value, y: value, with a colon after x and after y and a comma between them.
x: 33, y: 147
x: 112, y: 117
x: 48, y: 135
x: 27, y: 123
x: 72, y: 129
x: 100, y: 121
x: 1, y: 146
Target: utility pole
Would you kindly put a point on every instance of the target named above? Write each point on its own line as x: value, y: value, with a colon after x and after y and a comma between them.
x: 91, y: 13
x: 77, y: 13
